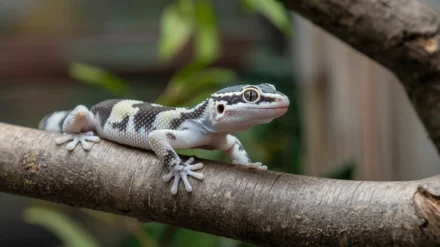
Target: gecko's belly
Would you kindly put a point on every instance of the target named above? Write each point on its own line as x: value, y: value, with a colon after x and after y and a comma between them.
x: 127, y: 137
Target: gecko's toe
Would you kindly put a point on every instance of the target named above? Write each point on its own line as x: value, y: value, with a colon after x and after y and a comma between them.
x: 185, y: 170
x: 196, y: 175
x: 256, y: 165
x: 86, y: 139
x: 175, y: 184
x: 166, y: 178
x: 92, y: 138
x: 188, y: 187
x: 189, y: 161
x: 85, y: 144
x: 71, y: 146
x: 63, y: 139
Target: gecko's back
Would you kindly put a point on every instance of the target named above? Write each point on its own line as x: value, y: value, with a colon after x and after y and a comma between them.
x: 130, y: 121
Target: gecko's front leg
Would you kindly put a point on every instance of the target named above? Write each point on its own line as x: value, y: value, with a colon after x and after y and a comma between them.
x: 77, y: 128
x: 163, y: 143
x: 236, y: 152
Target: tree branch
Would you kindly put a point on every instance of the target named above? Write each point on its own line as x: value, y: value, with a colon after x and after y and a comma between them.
x: 402, y: 35
x: 262, y: 207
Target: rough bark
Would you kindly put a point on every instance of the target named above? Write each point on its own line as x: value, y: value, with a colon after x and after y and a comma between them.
x: 402, y: 35
x: 262, y: 207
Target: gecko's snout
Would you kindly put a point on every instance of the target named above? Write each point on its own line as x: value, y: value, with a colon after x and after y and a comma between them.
x: 284, y: 102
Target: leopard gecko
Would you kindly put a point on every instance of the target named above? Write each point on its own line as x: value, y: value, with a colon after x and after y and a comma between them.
x: 163, y: 129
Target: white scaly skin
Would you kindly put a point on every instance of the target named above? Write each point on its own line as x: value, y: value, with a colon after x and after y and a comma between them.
x: 164, y: 129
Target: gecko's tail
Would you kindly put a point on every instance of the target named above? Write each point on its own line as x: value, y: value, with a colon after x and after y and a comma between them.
x: 54, y: 121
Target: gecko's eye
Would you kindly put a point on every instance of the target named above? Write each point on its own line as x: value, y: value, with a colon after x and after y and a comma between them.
x: 251, y: 95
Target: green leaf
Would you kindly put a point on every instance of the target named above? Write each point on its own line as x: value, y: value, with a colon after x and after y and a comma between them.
x: 176, y: 28
x: 180, y: 78
x: 274, y: 11
x: 206, y: 36
x: 247, y: 7
x: 98, y: 77
x: 345, y: 171
x: 184, y: 89
x: 70, y: 232
x: 185, y: 237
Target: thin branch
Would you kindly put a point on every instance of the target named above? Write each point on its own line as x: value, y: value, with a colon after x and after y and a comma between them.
x: 402, y: 35
x: 262, y: 207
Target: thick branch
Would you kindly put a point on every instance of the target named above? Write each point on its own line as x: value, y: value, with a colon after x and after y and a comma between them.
x: 266, y: 208
x: 402, y: 35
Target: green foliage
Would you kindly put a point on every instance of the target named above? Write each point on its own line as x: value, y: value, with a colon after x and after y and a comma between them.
x: 167, y: 236
x: 184, y: 18
x: 273, y: 10
x: 177, y: 25
x: 194, y: 80
x: 70, y: 232
x: 206, y: 37
x: 98, y: 77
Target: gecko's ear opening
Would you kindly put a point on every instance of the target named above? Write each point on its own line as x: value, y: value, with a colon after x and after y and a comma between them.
x: 220, y: 108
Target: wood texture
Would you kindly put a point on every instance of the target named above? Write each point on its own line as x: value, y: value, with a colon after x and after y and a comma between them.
x: 262, y: 207
x: 402, y: 35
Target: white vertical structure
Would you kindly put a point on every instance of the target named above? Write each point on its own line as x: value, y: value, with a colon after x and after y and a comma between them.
x: 356, y: 110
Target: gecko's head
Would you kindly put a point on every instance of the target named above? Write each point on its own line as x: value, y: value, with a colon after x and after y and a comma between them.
x: 241, y: 107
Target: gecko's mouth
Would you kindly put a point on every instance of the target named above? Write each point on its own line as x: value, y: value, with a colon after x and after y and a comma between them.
x: 269, y: 112
x: 266, y: 108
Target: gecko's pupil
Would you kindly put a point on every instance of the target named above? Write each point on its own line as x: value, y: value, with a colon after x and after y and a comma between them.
x: 251, y: 95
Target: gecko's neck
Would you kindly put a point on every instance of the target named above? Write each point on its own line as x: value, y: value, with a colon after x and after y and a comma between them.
x: 200, y: 111
x: 202, y: 114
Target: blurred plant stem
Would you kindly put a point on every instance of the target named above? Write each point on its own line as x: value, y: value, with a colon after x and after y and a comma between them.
x: 70, y: 232
x: 95, y: 76
x: 130, y: 225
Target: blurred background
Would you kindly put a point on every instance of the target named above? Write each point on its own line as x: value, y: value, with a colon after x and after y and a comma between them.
x: 349, y: 118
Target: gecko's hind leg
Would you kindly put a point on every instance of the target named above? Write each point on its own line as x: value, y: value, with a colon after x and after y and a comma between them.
x: 77, y: 129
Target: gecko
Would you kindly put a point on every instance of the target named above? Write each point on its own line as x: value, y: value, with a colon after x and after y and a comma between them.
x: 163, y: 129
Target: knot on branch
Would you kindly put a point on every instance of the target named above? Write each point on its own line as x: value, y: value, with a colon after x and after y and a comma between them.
x: 427, y: 204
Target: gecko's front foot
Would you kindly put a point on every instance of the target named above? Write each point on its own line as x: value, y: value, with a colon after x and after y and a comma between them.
x: 83, y: 138
x: 255, y: 165
x: 182, y: 172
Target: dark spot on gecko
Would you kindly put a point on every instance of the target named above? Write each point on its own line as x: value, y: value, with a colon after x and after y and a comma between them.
x: 247, y: 157
x: 240, y: 146
x: 103, y: 110
x: 266, y: 99
x: 230, y: 99
x: 169, y: 157
x: 122, y: 126
x: 170, y: 136
x: 195, y: 113
x: 147, y: 114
